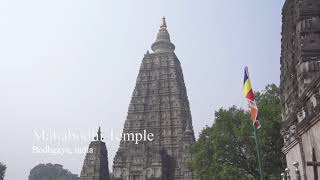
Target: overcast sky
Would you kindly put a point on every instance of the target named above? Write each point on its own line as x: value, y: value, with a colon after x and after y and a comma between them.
x: 72, y: 64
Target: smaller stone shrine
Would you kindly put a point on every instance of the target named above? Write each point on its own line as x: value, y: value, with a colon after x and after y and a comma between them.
x: 95, y: 165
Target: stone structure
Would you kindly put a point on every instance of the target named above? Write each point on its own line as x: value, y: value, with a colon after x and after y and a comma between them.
x: 160, y: 106
x: 300, y: 85
x: 95, y: 166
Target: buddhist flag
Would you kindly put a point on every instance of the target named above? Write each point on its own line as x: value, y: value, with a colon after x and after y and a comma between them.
x: 249, y: 95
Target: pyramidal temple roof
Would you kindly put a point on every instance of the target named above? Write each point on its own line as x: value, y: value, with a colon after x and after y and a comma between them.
x: 163, y: 42
x: 159, y: 105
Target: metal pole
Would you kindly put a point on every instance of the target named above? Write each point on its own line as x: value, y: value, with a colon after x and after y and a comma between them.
x: 258, y: 151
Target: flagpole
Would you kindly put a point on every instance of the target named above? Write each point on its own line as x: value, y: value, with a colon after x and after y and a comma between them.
x: 258, y: 151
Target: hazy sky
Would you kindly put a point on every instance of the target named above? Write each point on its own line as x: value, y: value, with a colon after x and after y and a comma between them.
x: 72, y: 64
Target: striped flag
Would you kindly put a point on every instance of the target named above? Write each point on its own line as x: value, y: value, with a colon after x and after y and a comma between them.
x: 249, y: 95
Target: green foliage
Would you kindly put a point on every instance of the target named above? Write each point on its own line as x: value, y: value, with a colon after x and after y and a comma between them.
x: 51, y: 172
x: 227, y: 149
x: 2, y: 171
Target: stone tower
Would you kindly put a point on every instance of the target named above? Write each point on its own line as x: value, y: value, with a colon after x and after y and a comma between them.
x: 95, y: 165
x: 300, y: 84
x: 159, y: 105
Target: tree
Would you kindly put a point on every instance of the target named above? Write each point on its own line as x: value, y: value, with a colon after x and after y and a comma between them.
x: 51, y: 172
x: 2, y: 171
x: 227, y: 149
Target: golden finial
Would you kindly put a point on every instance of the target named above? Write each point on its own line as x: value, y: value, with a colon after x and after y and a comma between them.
x: 163, y: 23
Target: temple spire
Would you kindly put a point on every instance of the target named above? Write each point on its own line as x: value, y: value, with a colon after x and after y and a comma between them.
x: 98, y: 137
x: 159, y: 158
x: 163, y: 42
x: 99, y: 134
